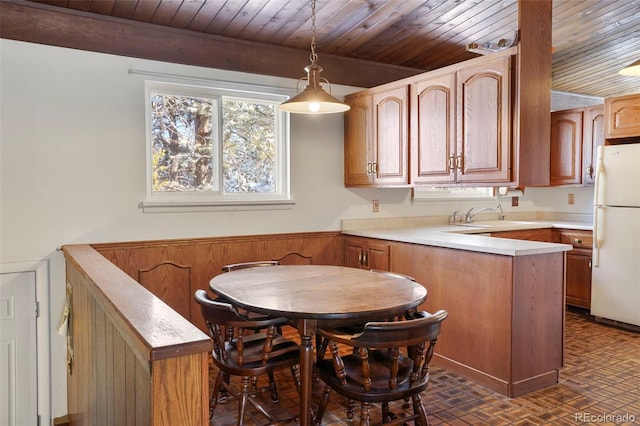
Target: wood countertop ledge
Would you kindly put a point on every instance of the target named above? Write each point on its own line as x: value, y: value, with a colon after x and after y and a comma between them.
x: 153, y: 328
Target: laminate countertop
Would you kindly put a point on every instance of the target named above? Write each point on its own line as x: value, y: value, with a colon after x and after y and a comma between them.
x: 473, y: 237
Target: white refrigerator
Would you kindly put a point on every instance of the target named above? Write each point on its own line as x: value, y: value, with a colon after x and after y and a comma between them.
x: 615, y: 287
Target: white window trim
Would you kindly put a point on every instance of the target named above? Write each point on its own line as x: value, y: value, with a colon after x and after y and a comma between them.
x: 197, y: 202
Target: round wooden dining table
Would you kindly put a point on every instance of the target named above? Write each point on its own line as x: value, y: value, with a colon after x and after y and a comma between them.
x: 317, y: 294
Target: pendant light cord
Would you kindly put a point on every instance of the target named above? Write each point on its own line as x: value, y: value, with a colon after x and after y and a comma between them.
x: 313, y: 57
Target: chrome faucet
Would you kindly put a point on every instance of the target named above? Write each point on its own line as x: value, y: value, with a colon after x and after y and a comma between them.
x: 469, y: 216
x: 454, y: 217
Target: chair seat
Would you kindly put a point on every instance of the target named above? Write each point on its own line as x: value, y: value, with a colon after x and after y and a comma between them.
x: 283, y: 352
x: 380, y: 391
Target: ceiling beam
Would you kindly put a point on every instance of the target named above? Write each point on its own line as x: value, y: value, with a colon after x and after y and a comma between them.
x: 43, y: 24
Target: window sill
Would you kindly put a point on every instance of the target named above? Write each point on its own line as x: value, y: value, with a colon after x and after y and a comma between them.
x: 155, y: 206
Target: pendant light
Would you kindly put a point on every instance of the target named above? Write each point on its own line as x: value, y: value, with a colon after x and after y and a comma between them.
x: 631, y: 69
x: 313, y: 99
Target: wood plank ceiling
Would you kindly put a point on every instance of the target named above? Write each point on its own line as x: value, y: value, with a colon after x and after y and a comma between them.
x: 592, y: 39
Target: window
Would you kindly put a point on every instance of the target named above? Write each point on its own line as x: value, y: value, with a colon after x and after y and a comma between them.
x: 453, y: 193
x: 224, y: 146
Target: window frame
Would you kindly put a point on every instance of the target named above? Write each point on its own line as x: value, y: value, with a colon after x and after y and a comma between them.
x: 217, y: 199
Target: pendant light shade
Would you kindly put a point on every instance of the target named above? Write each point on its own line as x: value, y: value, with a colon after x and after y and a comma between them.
x: 313, y: 99
x: 632, y: 69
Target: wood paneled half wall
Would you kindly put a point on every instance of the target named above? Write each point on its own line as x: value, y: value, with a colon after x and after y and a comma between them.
x: 137, y: 351
x: 174, y: 269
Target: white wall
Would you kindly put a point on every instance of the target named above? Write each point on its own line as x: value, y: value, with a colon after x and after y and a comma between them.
x: 72, y: 152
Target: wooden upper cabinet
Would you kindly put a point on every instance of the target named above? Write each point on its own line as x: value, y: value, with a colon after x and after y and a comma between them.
x: 461, y: 125
x: 476, y: 123
x: 592, y: 138
x: 433, y: 132
x: 483, y: 152
x: 391, y: 136
x: 622, y: 116
x: 575, y: 136
x: 358, y: 149
x: 376, y: 138
x: 566, y: 147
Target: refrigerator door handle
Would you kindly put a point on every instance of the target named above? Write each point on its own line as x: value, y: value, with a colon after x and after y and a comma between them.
x: 600, y: 171
x: 597, y: 243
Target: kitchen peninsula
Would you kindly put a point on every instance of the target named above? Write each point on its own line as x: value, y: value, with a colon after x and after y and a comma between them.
x: 505, y: 297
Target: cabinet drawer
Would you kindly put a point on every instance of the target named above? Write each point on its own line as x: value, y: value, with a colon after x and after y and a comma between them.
x: 578, y: 239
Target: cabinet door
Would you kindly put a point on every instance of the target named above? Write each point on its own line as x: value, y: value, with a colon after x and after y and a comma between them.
x: 484, y: 122
x: 592, y: 138
x: 390, y: 126
x: 358, y: 152
x: 623, y: 116
x: 433, y: 133
x: 365, y: 253
x: 579, y: 278
x: 566, y: 147
x: 377, y: 255
x: 353, y: 252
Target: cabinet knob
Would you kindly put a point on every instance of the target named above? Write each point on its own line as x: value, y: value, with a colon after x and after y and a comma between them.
x: 577, y: 241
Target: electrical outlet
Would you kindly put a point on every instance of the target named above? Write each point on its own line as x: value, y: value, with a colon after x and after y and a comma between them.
x: 515, y: 201
x: 376, y: 206
x: 572, y: 198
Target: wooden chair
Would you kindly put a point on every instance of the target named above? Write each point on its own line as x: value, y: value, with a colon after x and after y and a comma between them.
x: 236, y: 353
x: 351, y: 327
x: 244, y: 265
x: 391, y: 363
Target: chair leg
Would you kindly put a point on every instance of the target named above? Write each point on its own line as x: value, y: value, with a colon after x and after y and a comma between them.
x: 386, y: 417
x: 322, y: 407
x: 365, y: 413
x: 272, y: 387
x: 254, y: 385
x: 295, y: 373
x: 213, y: 400
x: 244, y: 397
x: 418, y: 410
x: 351, y: 409
x: 224, y: 394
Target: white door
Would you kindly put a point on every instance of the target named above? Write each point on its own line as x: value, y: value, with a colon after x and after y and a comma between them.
x: 18, y: 349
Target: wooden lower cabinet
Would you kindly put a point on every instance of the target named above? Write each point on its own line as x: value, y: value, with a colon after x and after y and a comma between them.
x: 366, y: 253
x: 543, y: 235
x: 579, y: 278
x: 505, y: 328
x: 578, y: 267
x: 578, y: 285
